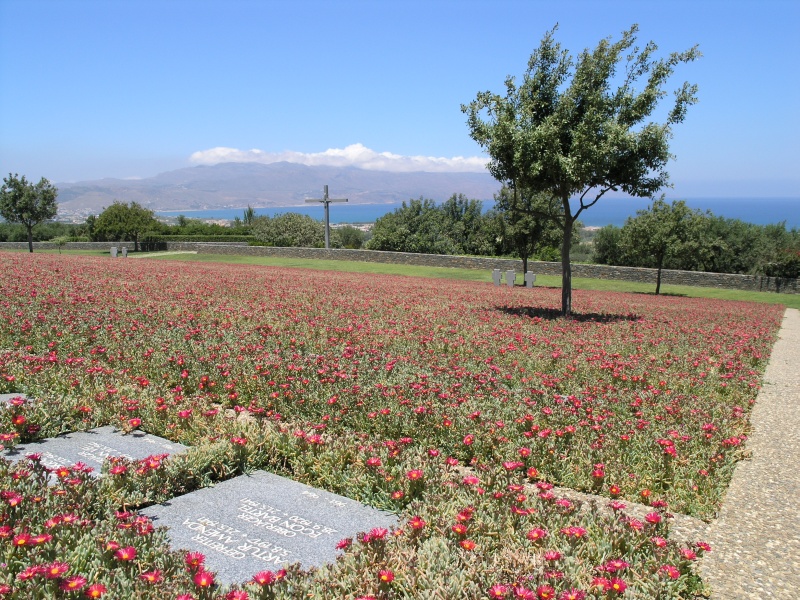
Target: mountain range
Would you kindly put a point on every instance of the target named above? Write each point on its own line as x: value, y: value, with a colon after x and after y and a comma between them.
x: 236, y: 185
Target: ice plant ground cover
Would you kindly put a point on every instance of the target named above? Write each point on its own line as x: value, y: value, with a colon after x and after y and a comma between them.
x: 383, y: 389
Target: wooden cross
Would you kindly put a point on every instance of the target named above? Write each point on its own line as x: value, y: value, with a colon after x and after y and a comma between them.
x: 326, y: 201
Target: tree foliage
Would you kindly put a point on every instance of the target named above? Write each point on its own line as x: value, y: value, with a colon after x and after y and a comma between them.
x: 577, y: 128
x: 528, y: 225
x: 26, y: 203
x: 707, y: 243
x: 457, y: 226
x: 289, y: 230
x: 124, y: 222
x: 658, y: 231
x: 349, y: 237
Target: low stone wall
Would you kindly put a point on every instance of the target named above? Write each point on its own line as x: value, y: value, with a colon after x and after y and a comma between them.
x: 635, y: 274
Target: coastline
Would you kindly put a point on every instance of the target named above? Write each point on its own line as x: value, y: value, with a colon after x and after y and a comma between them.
x: 611, y: 211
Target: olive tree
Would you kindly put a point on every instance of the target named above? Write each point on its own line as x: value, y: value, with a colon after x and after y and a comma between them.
x: 578, y: 128
x: 289, y: 230
x: 657, y: 232
x: 124, y: 222
x: 27, y: 203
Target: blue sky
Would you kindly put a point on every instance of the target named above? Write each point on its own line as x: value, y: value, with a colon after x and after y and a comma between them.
x: 131, y: 88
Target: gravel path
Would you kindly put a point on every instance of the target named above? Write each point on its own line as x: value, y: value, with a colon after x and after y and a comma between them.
x: 756, y: 539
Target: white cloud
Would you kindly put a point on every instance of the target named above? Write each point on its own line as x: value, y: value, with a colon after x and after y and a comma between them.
x: 354, y: 155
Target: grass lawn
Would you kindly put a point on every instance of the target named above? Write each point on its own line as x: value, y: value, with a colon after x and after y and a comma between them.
x: 789, y: 300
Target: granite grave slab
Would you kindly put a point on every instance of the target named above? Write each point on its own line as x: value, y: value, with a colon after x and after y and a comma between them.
x: 262, y: 521
x: 5, y: 399
x: 92, y: 447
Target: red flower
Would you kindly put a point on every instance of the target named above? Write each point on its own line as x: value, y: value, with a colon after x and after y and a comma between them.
x: 386, y: 576
x: 414, y: 475
x: 572, y: 594
x: 416, y: 523
x: 670, y: 571
x: 537, y: 534
x: 126, y: 554
x: 688, y: 554
x: 70, y: 584
x: 498, y: 591
x: 263, y: 578
x: 151, y: 576
x: 653, y: 518
x: 704, y: 546
x: 237, y: 595
x: 617, y: 585
x: 545, y: 592
x: 467, y: 544
x: 95, y: 590
x: 378, y: 533
x: 56, y: 569
x: 343, y: 544
x: 203, y: 579
x: 574, y: 532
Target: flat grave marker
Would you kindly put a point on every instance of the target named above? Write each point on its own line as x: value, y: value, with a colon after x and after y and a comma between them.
x: 262, y: 521
x: 5, y: 399
x: 93, y: 447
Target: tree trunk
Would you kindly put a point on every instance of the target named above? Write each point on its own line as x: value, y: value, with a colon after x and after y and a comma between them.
x: 524, y: 267
x: 658, y: 275
x: 566, y: 266
x: 30, y: 237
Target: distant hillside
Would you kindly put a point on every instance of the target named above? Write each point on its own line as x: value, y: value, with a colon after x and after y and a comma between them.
x: 234, y: 185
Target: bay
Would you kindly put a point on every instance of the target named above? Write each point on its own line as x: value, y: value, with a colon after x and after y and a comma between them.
x: 608, y: 211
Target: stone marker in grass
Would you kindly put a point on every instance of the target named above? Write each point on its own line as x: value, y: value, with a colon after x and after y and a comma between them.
x: 261, y: 522
x: 93, y: 447
x: 5, y: 399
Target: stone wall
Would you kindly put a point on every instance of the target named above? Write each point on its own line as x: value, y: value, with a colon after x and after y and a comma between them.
x: 635, y: 274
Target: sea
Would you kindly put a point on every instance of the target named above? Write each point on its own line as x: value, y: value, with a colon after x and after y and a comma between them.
x: 608, y: 211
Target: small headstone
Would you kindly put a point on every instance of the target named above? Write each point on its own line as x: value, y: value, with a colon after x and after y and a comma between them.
x: 113, y: 252
x: 530, y: 279
x: 93, y: 447
x: 263, y: 521
x: 124, y: 252
x: 496, y: 276
x: 5, y: 399
x: 510, y: 277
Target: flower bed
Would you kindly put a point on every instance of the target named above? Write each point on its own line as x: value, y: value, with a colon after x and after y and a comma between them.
x: 381, y: 389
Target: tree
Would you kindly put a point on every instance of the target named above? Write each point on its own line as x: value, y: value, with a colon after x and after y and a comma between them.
x: 605, y: 246
x: 657, y: 232
x: 349, y: 237
x: 414, y: 227
x: 27, y: 203
x: 462, y: 222
x: 289, y: 230
x: 121, y: 222
x: 527, y: 223
x: 566, y: 131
